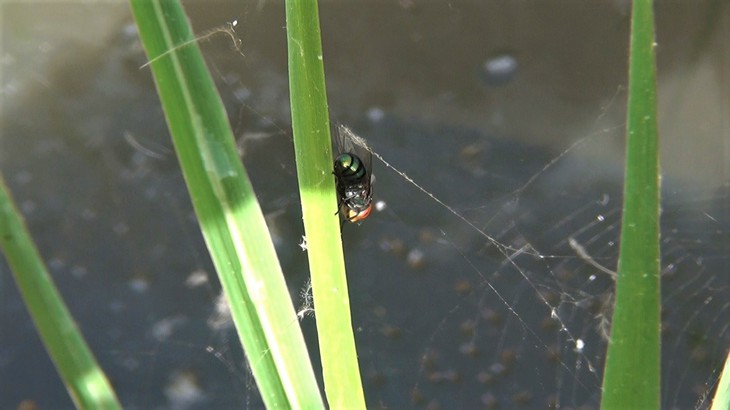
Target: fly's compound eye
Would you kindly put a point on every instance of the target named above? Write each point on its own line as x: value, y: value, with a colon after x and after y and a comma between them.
x: 357, y: 216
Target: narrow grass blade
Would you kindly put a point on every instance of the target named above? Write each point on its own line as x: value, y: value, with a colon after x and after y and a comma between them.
x: 632, y: 374
x: 721, y: 401
x: 313, y: 149
x: 84, y: 379
x: 227, y: 209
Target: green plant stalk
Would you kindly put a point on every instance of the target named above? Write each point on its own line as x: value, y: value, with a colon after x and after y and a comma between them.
x: 231, y: 220
x: 632, y: 374
x: 313, y: 150
x: 84, y: 379
x: 721, y: 401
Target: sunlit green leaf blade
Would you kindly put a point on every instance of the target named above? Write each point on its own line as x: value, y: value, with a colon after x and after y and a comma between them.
x: 227, y: 209
x: 84, y: 379
x: 313, y: 150
x: 632, y: 374
x: 721, y: 401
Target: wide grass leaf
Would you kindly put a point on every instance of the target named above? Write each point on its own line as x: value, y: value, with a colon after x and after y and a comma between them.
x: 632, y: 373
x: 313, y: 149
x: 226, y: 206
x: 84, y: 379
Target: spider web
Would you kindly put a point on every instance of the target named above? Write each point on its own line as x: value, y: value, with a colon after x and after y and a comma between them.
x: 484, y: 280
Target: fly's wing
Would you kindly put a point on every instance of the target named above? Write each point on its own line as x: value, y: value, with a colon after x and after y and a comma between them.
x: 343, y: 139
x: 348, y: 142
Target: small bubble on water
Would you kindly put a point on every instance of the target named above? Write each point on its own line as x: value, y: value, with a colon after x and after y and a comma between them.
x: 184, y: 390
x: 196, y: 278
x: 88, y: 214
x: 23, y: 177
x: 79, y: 271
x: 130, y: 30
x: 489, y: 401
x: 56, y: 263
x: 497, y: 369
x: 222, y: 318
x: 9, y: 88
x: 376, y: 114
x: 120, y: 228
x: 139, y: 285
x: 164, y: 328
x: 27, y: 207
x: 499, y: 69
x: 392, y: 245
x: 241, y: 94
x: 416, y: 258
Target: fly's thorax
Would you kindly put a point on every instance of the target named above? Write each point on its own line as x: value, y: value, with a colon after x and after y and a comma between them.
x: 357, y: 197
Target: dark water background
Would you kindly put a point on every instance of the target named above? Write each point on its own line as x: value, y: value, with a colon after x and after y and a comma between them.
x: 511, y: 113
